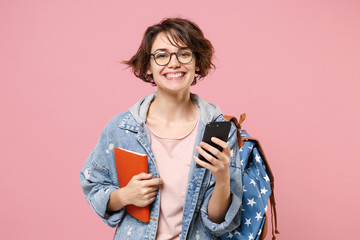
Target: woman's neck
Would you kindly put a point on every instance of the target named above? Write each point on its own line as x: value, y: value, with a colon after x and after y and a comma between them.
x: 172, y: 107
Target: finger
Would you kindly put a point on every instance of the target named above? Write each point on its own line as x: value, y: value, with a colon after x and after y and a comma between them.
x: 153, y: 182
x: 206, y: 165
x: 150, y: 201
x: 214, y: 151
x: 142, y: 176
x: 147, y: 196
x: 152, y: 190
x: 151, y: 195
x: 206, y: 155
x: 221, y: 143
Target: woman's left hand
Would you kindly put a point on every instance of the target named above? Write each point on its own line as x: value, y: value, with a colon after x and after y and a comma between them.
x: 219, y: 166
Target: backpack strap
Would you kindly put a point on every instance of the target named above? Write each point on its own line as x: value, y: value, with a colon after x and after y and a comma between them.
x: 269, y: 172
x: 272, y: 195
x: 238, y: 126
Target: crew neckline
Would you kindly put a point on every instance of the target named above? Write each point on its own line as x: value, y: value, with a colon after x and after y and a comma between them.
x: 182, y: 137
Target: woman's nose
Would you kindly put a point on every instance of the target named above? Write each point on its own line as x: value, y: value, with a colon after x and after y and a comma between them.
x: 173, y: 61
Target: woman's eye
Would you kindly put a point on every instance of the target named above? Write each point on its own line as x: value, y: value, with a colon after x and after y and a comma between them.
x: 185, y: 54
x: 161, y: 55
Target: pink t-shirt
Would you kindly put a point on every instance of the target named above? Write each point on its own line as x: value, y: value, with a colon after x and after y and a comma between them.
x: 173, y: 158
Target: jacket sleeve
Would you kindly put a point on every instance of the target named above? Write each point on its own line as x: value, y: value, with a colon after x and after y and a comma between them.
x: 96, y: 182
x: 233, y: 215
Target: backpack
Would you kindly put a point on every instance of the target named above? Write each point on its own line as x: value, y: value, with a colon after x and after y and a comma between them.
x: 258, y: 188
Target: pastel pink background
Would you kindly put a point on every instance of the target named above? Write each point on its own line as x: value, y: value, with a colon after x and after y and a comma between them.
x: 292, y: 66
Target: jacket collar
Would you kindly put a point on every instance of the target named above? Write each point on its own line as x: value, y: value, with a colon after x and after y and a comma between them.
x: 138, y: 112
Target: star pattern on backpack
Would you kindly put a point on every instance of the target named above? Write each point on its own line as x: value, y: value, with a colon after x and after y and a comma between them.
x: 256, y: 192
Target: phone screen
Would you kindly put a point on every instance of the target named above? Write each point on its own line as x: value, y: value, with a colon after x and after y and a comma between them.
x: 215, y: 129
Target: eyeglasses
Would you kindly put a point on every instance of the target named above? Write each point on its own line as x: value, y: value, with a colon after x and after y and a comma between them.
x: 163, y: 58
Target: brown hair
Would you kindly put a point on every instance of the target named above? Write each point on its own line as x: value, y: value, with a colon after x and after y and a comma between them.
x: 181, y: 31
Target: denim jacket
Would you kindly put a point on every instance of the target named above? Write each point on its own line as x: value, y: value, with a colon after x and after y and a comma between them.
x: 128, y: 130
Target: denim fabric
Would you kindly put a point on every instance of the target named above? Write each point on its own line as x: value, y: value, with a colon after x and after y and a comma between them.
x: 128, y: 130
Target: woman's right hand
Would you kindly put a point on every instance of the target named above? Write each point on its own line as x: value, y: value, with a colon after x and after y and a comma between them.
x: 140, y: 191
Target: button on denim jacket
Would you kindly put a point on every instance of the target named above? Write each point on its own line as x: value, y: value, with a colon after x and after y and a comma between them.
x: 128, y: 130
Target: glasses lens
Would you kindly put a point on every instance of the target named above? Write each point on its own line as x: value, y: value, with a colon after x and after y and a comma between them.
x: 162, y: 58
x: 185, y: 56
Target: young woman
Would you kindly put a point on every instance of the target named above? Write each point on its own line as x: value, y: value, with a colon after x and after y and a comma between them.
x: 185, y: 202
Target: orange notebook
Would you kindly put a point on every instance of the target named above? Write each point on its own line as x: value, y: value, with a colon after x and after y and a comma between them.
x: 129, y: 164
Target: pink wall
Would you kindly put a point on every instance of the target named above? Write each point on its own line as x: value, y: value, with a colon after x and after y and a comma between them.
x: 293, y: 66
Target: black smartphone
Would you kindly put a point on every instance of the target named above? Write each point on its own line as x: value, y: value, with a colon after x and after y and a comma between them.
x: 215, y: 129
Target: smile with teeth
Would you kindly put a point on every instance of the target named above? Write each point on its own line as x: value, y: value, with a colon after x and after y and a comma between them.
x: 174, y: 75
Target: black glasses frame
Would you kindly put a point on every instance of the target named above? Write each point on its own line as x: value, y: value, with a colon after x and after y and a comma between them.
x: 171, y: 53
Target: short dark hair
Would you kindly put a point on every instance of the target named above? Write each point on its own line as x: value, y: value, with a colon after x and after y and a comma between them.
x: 181, y: 31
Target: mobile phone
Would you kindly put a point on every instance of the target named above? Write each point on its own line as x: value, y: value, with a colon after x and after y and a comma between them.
x: 215, y: 129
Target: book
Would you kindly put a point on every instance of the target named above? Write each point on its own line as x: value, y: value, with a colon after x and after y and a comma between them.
x: 128, y: 164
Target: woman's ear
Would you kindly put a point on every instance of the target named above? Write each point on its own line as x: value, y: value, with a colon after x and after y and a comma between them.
x: 148, y: 72
x: 197, y: 69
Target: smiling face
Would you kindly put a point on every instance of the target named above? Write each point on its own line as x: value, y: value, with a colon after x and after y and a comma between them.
x: 175, y: 76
